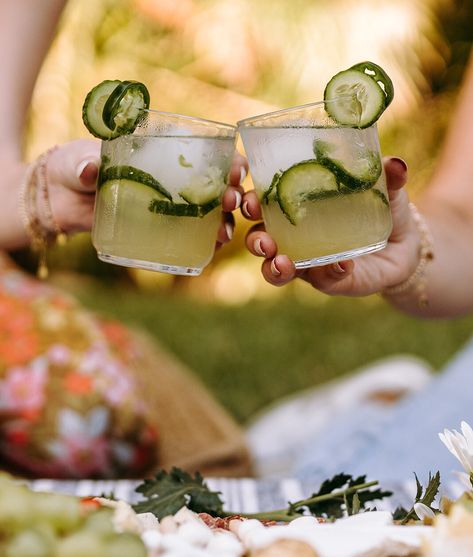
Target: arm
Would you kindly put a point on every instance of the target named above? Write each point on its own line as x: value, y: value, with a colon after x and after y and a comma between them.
x: 35, y: 23
x: 447, y: 206
x: 27, y: 29
x: 72, y: 168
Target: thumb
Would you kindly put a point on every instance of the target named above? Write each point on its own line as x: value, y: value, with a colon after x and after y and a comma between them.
x: 75, y: 165
x: 396, y: 173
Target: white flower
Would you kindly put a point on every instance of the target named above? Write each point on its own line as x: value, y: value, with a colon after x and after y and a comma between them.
x: 461, y: 446
x: 423, y: 511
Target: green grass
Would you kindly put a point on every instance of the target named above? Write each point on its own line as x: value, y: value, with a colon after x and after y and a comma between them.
x: 253, y: 354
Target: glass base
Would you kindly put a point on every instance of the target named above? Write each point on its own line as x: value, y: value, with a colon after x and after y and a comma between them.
x: 334, y: 257
x: 150, y: 265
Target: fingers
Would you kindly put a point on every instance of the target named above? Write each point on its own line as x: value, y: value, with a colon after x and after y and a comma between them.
x: 232, y: 196
x: 336, y: 278
x: 250, y: 206
x: 239, y: 170
x: 278, y: 271
x: 396, y: 174
x: 225, y: 231
x: 75, y: 165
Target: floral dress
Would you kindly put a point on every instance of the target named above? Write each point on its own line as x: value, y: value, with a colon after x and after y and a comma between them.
x: 76, y: 393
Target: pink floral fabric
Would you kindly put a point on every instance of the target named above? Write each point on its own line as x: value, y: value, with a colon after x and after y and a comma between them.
x: 70, y: 400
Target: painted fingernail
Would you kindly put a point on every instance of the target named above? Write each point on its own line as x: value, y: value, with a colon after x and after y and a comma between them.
x: 237, y: 198
x: 83, y: 165
x: 337, y: 268
x: 401, y: 162
x: 274, y: 270
x: 258, y: 248
x: 244, y: 209
x: 242, y: 175
x: 229, y: 230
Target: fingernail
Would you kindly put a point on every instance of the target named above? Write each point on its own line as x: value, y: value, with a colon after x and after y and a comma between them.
x: 229, y: 230
x: 244, y: 209
x: 237, y: 198
x: 401, y: 162
x: 258, y: 248
x: 338, y: 268
x: 81, y: 167
x: 274, y: 270
x: 242, y: 175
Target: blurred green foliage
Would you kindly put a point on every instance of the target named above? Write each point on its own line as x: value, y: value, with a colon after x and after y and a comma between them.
x: 253, y: 354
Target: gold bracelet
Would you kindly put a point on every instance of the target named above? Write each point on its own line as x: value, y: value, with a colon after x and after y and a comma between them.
x: 41, y: 235
x: 417, y: 278
x: 43, y: 187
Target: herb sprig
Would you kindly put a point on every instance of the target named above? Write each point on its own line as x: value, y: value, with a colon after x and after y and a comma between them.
x: 425, y: 496
x: 167, y: 492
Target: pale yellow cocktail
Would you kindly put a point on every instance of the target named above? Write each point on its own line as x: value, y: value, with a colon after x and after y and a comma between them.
x: 321, y: 185
x: 158, y: 202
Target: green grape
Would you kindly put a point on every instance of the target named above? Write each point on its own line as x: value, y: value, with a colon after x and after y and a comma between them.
x: 100, y: 521
x: 29, y: 543
x: 82, y: 544
x: 125, y: 545
x: 15, y: 507
x: 61, y: 511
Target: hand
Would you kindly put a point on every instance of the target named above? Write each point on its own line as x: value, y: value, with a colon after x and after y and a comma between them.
x: 72, y: 171
x: 232, y: 198
x: 367, y: 274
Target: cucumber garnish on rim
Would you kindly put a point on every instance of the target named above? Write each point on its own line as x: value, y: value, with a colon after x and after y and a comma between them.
x: 124, y: 106
x: 359, y: 95
x: 113, y: 108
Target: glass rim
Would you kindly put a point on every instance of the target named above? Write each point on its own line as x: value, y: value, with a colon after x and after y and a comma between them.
x: 196, y: 119
x: 247, y: 122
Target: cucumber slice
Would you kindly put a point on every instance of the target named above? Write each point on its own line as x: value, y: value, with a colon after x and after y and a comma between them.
x: 353, y: 98
x: 124, y: 106
x: 362, y: 173
x: 182, y: 209
x: 92, y: 109
x: 201, y: 197
x: 204, y: 188
x: 132, y: 174
x: 140, y: 193
x: 359, y: 95
x: 271, y: 192
x: 381, y: 196
x: 305, y: 181
x: 380, y: 76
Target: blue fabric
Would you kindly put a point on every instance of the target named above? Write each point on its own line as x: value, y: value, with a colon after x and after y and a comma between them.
x: 391, y: 443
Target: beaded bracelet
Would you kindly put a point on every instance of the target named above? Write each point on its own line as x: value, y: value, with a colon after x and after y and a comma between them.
x: 41, y: 235
x: 417, y: 278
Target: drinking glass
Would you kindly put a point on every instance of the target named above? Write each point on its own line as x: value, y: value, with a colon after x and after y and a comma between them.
x: 158, y: 204
x: 321, y: 185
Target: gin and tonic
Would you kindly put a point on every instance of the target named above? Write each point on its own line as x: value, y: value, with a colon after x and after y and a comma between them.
x: 159, y: 193
x: 321, y: 185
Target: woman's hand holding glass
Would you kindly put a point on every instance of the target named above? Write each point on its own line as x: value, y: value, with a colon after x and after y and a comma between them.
x: 72, y: 171
x: 365, y: 275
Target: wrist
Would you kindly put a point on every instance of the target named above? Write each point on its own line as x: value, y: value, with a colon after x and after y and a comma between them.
x: 415, y: 284
x: 35, y: 210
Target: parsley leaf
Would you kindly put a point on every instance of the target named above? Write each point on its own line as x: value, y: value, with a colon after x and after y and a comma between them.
x: 170, y: 491
x: 349, y: 498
